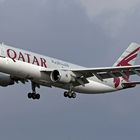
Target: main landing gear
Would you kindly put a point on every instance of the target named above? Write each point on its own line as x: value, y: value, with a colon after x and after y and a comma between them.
x: 34, y: 95
x: 70, y: 94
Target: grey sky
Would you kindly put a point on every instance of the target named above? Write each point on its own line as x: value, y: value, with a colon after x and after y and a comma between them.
x: 86, y: 32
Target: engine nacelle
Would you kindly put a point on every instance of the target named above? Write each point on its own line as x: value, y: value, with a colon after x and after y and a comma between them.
x: 62, y: 76
x: 5, y: 80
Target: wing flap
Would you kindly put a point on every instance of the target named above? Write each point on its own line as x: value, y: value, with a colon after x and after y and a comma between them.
x: 108, y: 72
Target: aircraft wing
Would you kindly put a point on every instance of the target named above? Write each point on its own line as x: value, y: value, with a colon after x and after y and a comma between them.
x: 100, y: 73
x: 108, y: 72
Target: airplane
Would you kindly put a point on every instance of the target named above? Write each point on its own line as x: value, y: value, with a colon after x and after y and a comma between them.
x: 17, y: 65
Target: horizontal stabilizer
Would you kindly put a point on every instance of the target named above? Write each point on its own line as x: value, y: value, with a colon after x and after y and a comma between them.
x: 130, y: 84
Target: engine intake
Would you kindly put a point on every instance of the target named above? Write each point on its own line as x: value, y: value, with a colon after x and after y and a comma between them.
x: 62, y: 76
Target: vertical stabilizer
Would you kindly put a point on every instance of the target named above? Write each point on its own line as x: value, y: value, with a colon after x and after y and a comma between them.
x: 128, y: 58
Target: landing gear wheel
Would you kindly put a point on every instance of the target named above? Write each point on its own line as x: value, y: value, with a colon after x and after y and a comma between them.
x: 69, y: 94
x: 65, y: 94
x: 73, y: 95
x: 34, y: 96
x: 37, y: 96
x: 29, y: 95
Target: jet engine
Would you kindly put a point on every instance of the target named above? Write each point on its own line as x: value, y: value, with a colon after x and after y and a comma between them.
x: 5, y: 80
x: 62, y: 76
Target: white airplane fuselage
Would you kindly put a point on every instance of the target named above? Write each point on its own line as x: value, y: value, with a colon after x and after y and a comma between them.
x: 28, y: 65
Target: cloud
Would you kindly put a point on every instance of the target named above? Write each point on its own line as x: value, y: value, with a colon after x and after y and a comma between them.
x: 109, y: 13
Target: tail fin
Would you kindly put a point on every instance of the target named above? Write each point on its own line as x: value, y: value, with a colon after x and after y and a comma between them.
x: 128, y: 58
